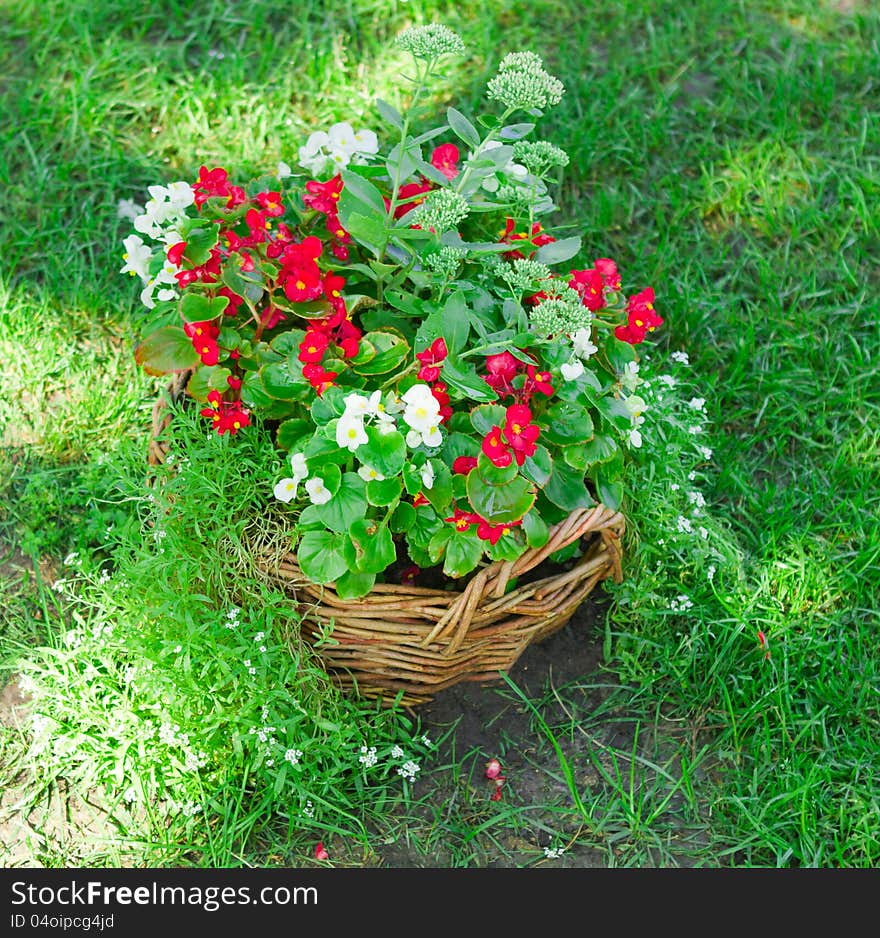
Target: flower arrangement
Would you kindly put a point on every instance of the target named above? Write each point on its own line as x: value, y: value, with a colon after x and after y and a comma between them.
x: 397, y: 312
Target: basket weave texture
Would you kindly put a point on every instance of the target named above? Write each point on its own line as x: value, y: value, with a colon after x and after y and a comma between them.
x: 411, y: 641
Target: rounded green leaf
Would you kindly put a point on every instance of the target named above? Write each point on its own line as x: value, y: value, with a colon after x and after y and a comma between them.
x: 348, y: 504
x: 499, y: 504
x: 384, y: 492
x: 384, y: 452
x: 322, y: 555
x: 391, y: 350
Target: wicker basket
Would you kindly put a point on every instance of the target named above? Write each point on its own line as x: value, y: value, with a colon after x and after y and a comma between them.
x: 414, y: 642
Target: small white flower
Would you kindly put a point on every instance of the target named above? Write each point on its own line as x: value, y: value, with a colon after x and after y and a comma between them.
x: 396, y: 752
x: 356, y: 405
x: 72, y: 559
x: 705, y: 452
x: 293, y: 756
x: 368, y: 757
x: 635, y: 438
x: 283, y: 170
x: 128, y: 209
x: 710, y: 572
x: 553, y: 853
x: 409, y: 770
x: 341, y: 138
x: 681, y: 357
x: 258, y: 638
x: 582, y: 340
x: 696, y: 498
x: 668, y: 380
x: 697, y: 403
x: 427, y: 474
x: 319, y: 494
x: 309, y: 810
x: 285, y: 490
x: 298, y: 466
x: 426, y: 741
x: 630, y: 377
x: 684, y: 525
x: 572, y: 370
x: 370, y: 475
x: 137, y: 258
x: 350, y: 432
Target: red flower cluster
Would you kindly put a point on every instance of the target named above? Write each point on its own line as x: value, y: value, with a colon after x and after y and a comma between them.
x: 203, y: 336
x: 228, y: 416
x: 641, y: 316
x: 537, y: 238
x: 517, y: 441
x: 323, y: 197
x: 503, y: 367
x: 593, y: 284
x: 214, y: 183
x: 485, y: 531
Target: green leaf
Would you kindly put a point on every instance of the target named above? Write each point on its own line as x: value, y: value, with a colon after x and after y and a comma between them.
x: 600, y: 449
x: 440, y: 493
x: 373, y: 544
x: 196, y: 307
x: 293, y: 431
x: 463, y: 128
x: 320, y: 451
x: 535, y: 529
x: 515, y: 131
x: 566, y: 488
x: 403, y: 518
x: 384, y: 452
x: 495, y: 475
x: 324, y: 556
x: 463, y: 553
x: 354, y: 584
x: 355, y: 186
x: 499, y: 504
x: 558, y: 251
x: 437, y: 544
x: 280, y: 383
x: 538, y: 466
x: 463, y: 378
x: 207, y: 378
x: 389, y: 114
x: 348, y: 504
x: 329, y: 405
x: 424, y: 526
x: 384, y: 492
x: 391, y: 349
x: 459, y: 444
x: 166, y: 350
x: 566, y: 423
x: 367, y: 230
x: 199, y: 242
x: 487, y: 416
x: 619, y: 353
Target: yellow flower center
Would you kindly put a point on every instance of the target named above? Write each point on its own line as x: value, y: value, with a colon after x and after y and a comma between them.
x: 300, y: 285
x: 517, y: 429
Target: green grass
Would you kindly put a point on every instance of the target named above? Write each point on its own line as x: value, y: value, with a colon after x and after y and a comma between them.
x: 727, y: 154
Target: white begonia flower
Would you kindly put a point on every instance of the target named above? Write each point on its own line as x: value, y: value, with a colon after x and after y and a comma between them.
x: 180, y: 196
x: 128, y: 209
x: 413, y: 439
x: 283, y: 170
x: 422, y: 409
x: 367, y: 141
x: 582, y: 340
x: 427, y: 474
x: 342, y: 139
x: 350, y: 433
x: 573, y: 369
x: 137, y: 257
x: 370, y: 475
x: 630, y: 377
x: 285, y: 490
x: 318, y: 492
x: 164, y: 282
x: 635, y: 437
x: 356, y: 405
x: 635, y: 405
x: 298, y: 466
